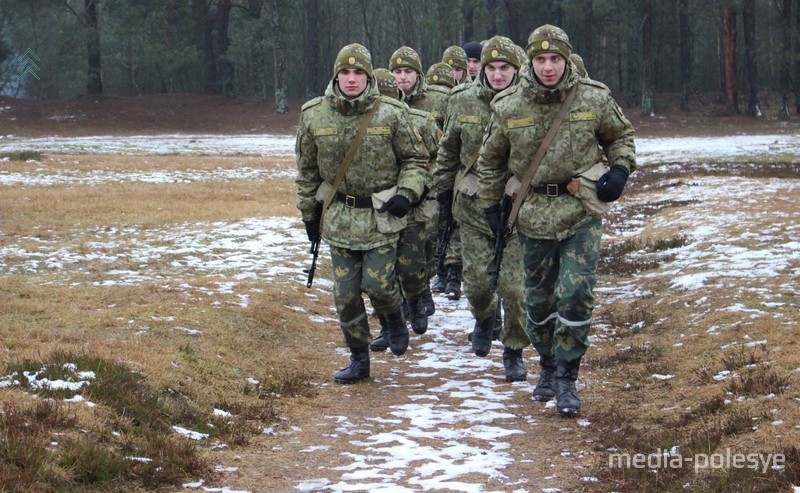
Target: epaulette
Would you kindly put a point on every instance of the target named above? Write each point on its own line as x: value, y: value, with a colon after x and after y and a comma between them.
x: 440, y: 89
x: 393, y: 102
x: 505, y: 93
x: 459, y: 88
x: 417, y: 112
x: 595, y: 83
x: 311, y: 103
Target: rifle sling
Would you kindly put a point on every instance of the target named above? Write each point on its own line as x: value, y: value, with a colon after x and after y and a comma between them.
x: 348, y: 159
x: 537, y: 158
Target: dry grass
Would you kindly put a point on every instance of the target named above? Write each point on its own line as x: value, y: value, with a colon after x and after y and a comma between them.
x: 263, y: 362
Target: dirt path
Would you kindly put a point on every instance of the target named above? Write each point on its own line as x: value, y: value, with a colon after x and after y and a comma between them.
x: 438, y: 418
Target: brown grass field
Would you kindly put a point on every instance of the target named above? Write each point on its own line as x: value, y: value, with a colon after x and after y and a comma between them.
x: 152, y: 374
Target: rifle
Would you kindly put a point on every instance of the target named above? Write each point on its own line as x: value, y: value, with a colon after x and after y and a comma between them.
x: 500, y: 243
x: 315, y: 252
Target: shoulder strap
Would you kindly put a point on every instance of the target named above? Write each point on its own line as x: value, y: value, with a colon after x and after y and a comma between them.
x: 348, y: 158
x: 537, y: 158
x: 470, y: 163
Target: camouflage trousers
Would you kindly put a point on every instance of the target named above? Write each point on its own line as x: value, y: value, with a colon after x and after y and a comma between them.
x: 478, y: 251
x: 453, y: 253
x: 431, y: 235
x: 411, y: 260
x: 358, y: 272
x: 559, y: 281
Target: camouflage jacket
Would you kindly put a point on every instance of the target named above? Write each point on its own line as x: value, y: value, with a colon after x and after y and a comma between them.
x: 430, y: 132
x: 390, y: 154
x: 593, y: 128
x: 466, y: 120
x: 431, y: 99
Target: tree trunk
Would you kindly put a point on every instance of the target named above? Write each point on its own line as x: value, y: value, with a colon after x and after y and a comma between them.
x: 730, y: 82
x: 312, y: 49
x: 648, y: 79
x: 279, y: 53
x: 796, y: 53
x: 785, y: 58
x: 94, y: 82
x: 588, y: 31
x: 203, y: 39
x: 513, y: 24
x: 225, y: 70
x: 749, y: 23
x: 686, y: 53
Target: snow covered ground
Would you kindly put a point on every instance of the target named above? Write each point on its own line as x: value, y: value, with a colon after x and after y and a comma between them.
x: 470, y: 434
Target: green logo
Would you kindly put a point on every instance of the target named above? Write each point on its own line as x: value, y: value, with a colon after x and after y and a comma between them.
x: 27, y: 66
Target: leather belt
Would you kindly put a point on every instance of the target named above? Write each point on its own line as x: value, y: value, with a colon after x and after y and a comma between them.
x: 354, y: 202
x: 551, y: 189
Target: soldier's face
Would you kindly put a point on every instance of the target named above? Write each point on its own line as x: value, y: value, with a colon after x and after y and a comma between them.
x: 499, y: 74
x: 406, y: 78
x: 473, y: 67
x: 458, y: 73
x: 352, y: 82
x: 549, y: 67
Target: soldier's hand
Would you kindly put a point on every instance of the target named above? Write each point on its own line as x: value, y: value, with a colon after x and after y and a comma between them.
x: 445, y: 200
x: 494, y: 215
x: 398, y: 206
x: 312, y: 225
x: 610, y: 185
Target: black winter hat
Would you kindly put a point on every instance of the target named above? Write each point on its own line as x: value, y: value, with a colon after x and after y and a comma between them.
x: 473, y: 49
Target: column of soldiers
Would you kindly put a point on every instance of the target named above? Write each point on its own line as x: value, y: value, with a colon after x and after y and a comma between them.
x: 436, y: 151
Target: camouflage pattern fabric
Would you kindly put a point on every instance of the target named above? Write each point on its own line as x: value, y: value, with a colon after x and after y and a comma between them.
x: 478, y: 252
x: 391, y: 154
x: 411, y: 261
x: 426, y: 213
x: 431, y: 99
x: 356, y: 272
x: 559, y: 280
x: 522, y: 116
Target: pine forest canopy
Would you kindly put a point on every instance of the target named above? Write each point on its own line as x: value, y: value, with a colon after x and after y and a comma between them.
x: 280, y: 50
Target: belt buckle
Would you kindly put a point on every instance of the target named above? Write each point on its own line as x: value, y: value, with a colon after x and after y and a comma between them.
x: 552, y: 190
x: 350, y: 201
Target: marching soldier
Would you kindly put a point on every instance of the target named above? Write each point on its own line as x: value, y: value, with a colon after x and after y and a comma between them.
x: 357, y: 201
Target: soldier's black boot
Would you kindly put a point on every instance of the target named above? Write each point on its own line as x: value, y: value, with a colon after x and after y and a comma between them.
x: 567, y: 402
x: 419, y: 320
x: 514, y: 365
x: 498, y: 322
x: 482, y: 337
x: 358, y: 369
x: 427, y: 302
x: 381, y: 343
x: 397, y: 333
x: 453, y: 289
x: 545, y: 387
x: 441, y: 280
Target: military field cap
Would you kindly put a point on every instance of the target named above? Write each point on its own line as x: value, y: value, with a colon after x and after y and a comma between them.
x: 548, y: 39
x: 455, y: 56
x: 578, y: 61
x: 353, y: 56
x: 472, y: 49
x: 499, y: 49
x: 520, y: 54
x: 441, y: 73
x: 405, y: 57
x: 387, y: 84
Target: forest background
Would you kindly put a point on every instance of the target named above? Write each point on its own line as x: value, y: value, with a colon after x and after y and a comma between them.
x: 281, y: 51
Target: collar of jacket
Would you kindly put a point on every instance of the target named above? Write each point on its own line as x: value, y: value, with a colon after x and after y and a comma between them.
x: 542, y: 94
x: 417, y: 94
x: 348, y: 107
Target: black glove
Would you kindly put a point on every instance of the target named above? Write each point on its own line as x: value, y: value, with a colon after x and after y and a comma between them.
x: 312, y: 225
x: 445, y: 200
x: 610, y: 185
x: 398, y: 206
x: 494, y: 215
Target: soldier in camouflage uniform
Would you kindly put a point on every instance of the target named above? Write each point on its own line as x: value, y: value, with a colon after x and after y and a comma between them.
x: 456, y: 57
x: 362, y: 223
x: 407, y: 69
x: 560, y: 237
x: 468, y: 115
x: 414, y: 248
